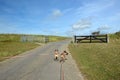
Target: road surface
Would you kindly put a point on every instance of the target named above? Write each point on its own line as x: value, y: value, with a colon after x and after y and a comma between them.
x: 38, y: 64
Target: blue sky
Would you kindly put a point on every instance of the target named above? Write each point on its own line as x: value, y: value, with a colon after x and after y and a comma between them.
x: 59, y: 17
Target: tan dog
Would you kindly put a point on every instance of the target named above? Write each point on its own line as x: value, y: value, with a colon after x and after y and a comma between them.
x: 56, y: 54
x: 63, y: 56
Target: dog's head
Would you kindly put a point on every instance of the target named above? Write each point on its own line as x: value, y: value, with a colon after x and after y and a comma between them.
x: 65, y: 52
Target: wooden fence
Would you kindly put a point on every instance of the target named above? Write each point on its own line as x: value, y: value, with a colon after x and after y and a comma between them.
x: 91, y: 39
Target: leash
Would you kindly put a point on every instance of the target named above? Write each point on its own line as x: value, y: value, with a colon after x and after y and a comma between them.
x: 61, y: 72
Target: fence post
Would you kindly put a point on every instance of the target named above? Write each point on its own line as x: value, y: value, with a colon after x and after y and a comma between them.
x: 107, y: 38
x: 74, y: 39
x: 90, y: 39
x: 46, y: 39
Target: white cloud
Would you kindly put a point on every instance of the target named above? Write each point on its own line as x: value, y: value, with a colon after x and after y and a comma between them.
x: 82, y: 24
x: 56, y: 13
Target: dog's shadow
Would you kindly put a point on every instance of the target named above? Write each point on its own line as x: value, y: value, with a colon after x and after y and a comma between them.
x: 56, y: 59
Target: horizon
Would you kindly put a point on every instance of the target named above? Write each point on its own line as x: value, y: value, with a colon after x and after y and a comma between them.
x: 59, y: 17
x: 32, y: 34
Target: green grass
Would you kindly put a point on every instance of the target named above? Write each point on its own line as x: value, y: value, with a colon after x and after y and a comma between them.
x: 10, y: 49
x: 98, y: 61
x: 40, y: 38
x: 56, y: 38
x: 11, y: 44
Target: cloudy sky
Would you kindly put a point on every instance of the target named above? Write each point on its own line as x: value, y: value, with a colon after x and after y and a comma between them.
x: 59, y: 17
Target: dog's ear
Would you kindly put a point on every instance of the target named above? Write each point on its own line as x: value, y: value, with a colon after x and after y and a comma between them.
x: 66, y: 53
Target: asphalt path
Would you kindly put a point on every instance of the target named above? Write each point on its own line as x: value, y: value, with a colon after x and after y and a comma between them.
x: 38, y: 64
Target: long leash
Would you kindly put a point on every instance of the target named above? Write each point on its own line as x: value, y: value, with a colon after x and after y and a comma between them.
x: 61, y: 69
x: 61, y: 72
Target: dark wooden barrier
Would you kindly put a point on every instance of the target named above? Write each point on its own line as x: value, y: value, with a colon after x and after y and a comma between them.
x: 91, y: 39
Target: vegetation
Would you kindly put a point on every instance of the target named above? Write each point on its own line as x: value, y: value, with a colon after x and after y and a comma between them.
x: 12, y: 44
x: 116, y: 35
x: 30, y: 38
x: 9, y: 37
x: 98, y: 61
x: 10, y: 49
x: 56, y: 38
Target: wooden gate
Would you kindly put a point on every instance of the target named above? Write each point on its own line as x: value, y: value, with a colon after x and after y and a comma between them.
x: 91, y: 39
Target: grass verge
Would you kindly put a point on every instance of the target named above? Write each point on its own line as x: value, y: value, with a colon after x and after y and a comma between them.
x: 9, y: 49
x: 98, y: 61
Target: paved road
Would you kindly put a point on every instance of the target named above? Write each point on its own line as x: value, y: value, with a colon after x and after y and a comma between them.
x: 38, y: 64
